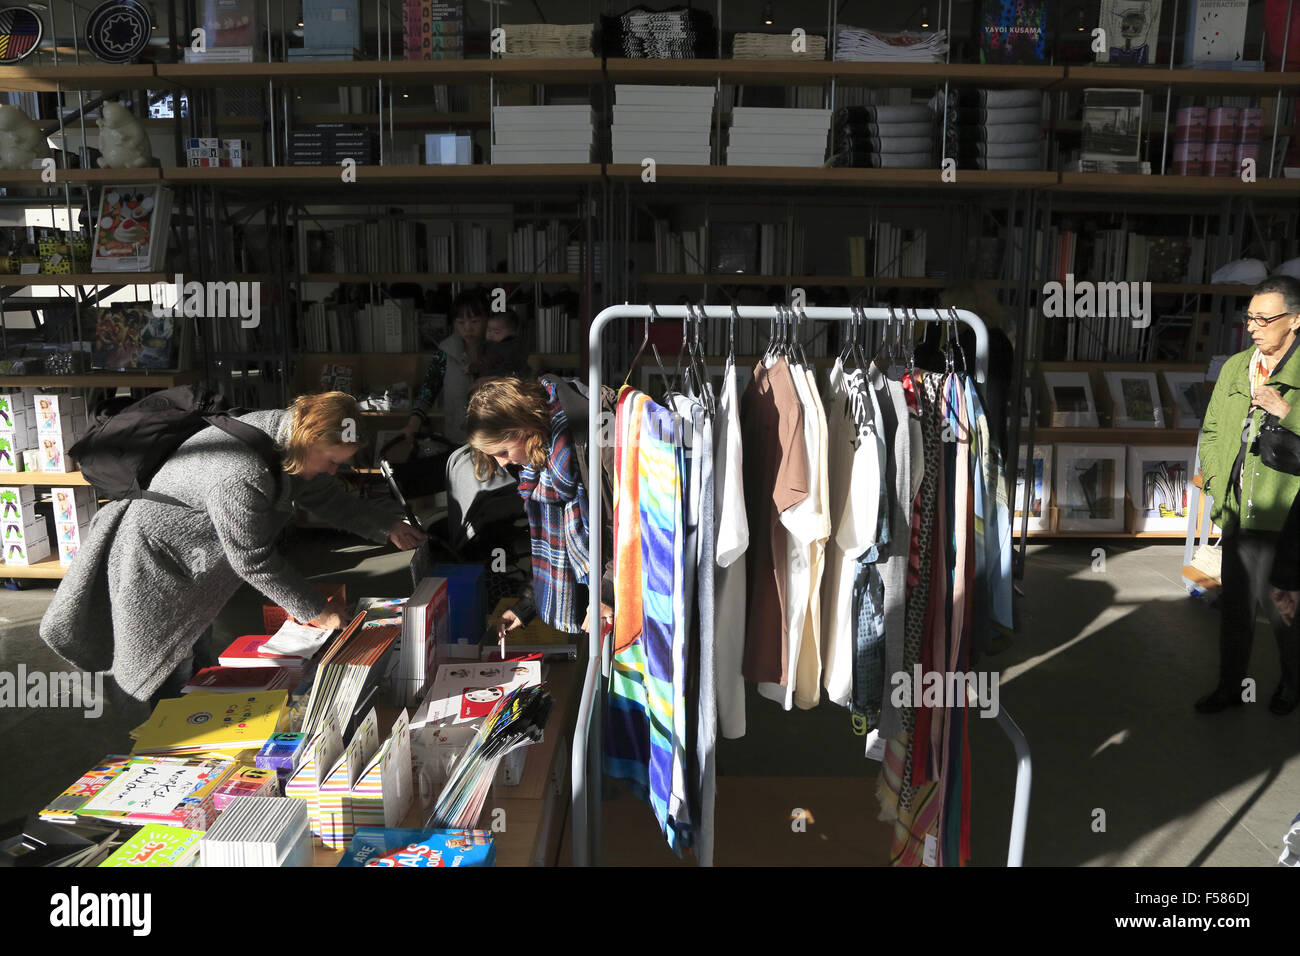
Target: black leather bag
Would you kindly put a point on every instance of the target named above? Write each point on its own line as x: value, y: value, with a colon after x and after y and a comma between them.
x: 1279, y: 448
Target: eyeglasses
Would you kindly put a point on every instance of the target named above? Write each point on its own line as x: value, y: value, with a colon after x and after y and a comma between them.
x: 1247, y: 318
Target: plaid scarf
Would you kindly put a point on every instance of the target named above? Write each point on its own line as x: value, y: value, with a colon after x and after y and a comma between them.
x: 555, y: 501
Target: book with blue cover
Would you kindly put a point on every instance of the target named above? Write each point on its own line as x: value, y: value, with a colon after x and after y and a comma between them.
x: 379, y: 846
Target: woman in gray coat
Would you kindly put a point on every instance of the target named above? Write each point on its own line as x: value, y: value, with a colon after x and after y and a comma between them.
x: 153, y: 576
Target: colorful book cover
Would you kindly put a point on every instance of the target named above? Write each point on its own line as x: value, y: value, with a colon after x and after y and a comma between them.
x: 124, y: 229
x: 1014, y: 31
x: 131, y: 337
x: 242, y: 680
x: 158, y: 845
x: 63, y: 808
x: 321, y: 755
x: 1216, y: 31
x: 198, y: 723
x: 382, y: 794
x: 246, y: 652
x: 374, y: 846
x: 1132, y: 30
x: 167, y: 790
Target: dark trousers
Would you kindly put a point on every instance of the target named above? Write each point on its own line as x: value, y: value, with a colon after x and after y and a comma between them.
x: 1247, y: 563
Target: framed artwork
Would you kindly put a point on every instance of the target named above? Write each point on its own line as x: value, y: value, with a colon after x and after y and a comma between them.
x: 1090, y: 487
x: 1159, y: 483
x: 1137, y: 399
x: 1070, y: 396
x: 1034, y: 492
x: 1191, y: 394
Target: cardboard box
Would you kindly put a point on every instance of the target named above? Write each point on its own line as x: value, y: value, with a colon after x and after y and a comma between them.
x: 28, y: 552
x: 17, y: 503
x: 61, y: 413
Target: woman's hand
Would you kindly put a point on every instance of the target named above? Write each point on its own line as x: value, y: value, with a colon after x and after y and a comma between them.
x: 509, y: 621
x: 1271, y: 400
x: 1285, y: 602
x: 405, y: 537
x: 606, y: 617
x: 333, y: 618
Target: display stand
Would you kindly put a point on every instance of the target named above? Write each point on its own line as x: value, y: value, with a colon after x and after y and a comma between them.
x: 587, y: 749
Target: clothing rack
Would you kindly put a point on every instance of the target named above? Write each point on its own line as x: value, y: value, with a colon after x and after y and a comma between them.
x: 587, y: 744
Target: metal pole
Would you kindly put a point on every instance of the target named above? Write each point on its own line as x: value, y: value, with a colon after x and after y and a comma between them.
x: 1277, y: 101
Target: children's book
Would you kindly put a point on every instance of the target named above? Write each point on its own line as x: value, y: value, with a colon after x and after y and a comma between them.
x: 169, y: 790
x: 247, y: 651
x: 375, y: 846
x: 131, y: 229
x: 208, y: 723
x: 158, y: 845
x: 64, y: 807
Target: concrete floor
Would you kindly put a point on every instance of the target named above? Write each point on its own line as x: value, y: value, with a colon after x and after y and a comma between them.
x: 1101, y: 679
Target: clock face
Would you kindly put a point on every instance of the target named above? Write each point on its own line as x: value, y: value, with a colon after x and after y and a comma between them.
x: 118, y: 31
x: 20, y: 33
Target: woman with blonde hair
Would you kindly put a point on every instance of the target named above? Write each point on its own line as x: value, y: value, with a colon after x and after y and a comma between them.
x: 536, y: 432
x: 156, y: 572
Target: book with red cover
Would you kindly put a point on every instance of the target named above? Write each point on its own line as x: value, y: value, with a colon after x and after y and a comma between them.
x: 243, y: 680
x: 246, y: 651
x: 273, y: 615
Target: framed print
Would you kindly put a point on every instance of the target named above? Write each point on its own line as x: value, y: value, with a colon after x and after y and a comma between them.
x: 1034, y: 491
x: 1191, y: 395
x: 1090, y: 487
x: 1159, y: 483
x: 1137, y: 399
x: 1069, y: 395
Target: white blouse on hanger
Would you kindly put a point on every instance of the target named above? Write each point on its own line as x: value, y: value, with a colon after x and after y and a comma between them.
x: 732, y: 534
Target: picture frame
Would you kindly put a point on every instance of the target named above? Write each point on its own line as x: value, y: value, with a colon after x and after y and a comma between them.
x: 1089, y: 487
x: 1040, y: 516
x: 1069, y: 395
x: 1136, y: 399
x: 1160, y: 485
x: 1190, y: 392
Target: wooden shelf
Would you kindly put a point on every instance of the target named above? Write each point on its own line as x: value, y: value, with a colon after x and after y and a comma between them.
x: 1201, y: 579
x: 1156, y: 185
x: 1116, y: 436
x: 430, y: 277
x: 846, y: 176
x: 722, y: 278
x: 1220, y: 82
x: 71, y: 76
x: 49, y: 569
x: 71, y: 479
x: 83, y: 177
x: 102, y: 380
x: 803, y: 72
x: 1123, y: 366
x: 399, y: 73
x: 1167, y: 535
x: 85, y: 279
x: 283, y: 176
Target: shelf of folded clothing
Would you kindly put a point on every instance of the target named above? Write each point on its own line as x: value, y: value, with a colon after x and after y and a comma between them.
x: 399, y: 73
x: 851, y: 177
x: 1176, y: 186
x: 52, y: 479
x: 75, y: 76
x: 102, y: 380
x: 1183, y: 81
x: 49, y: 568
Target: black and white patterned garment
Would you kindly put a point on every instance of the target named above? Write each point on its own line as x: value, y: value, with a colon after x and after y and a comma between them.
x: 931, y: 392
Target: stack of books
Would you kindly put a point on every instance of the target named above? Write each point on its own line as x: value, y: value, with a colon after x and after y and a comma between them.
x: 472, y: 242
x: 761, y: 136
x: 884, y: 137
x: 538, y: 248
x: 213, y: 725
x: 433, y: 29
x: 156, y: 845
x: 856, y: 44
x: 176, y: 791
x: 548, y: 39
x: 996, y: 129
x: 348, y: 677
x: 242, y: 680
x: 675, y: 34
x: 259, y: 831
x: 669, y: 124
x: 329, y: 144
x: 424, y: 627
x: 777, y: 46
x: 892, y: 252
x: 557, y: 329
x: 542, y: 134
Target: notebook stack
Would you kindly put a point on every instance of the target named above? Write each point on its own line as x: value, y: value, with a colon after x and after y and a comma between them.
x: 542, y: 134
x: 348, y: 676
x: 259, y: 831
x: 884, y: 137
x: 669, y: 124
x: 675, y: 34
x: 777, y: 46
x: 549, y: 39
x: 856, y: 44
x: 761, y: 136
x: 996, y: 129
x: 424, y: 627
x: 329, y: 144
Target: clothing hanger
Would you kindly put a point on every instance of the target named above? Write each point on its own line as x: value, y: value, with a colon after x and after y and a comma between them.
x: 847, y: 347
x: 798, y: 339
x: 698, y: 360
x: 644, y: 342
x: 731, y: 334
x: 956, y: 325
x: 654, y: 314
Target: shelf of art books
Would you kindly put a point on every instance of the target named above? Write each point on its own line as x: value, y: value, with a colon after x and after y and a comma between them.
x: 48, y: 568
x: 140, y: 379
x: 52, y: 479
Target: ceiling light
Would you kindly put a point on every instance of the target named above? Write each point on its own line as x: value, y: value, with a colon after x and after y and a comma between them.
x: 767, y: 13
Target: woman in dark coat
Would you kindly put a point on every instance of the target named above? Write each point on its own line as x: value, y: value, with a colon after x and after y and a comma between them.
x: 153, y: 576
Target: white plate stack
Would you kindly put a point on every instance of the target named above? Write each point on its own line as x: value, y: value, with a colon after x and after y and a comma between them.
x: 542, y: 134
x: 669, y: 124
x: 764, y: 136
x: 258, y: 831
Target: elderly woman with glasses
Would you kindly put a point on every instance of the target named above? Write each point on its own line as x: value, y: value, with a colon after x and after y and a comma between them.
x: 1251, y: 501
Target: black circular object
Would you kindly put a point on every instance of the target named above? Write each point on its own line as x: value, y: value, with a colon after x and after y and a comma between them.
x: 20, y: 34
x: 118, y: 31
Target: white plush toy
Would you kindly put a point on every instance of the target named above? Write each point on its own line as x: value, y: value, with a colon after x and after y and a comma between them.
x: 20, y: 139
x: 123, y: 142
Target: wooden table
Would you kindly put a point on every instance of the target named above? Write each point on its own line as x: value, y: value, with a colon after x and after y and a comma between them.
x: 534, y: 811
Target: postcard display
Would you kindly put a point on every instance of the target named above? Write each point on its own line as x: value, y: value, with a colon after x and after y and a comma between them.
x: 1090, y: 487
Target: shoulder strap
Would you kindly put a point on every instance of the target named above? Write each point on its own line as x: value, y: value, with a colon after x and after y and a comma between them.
x: 254, y: 438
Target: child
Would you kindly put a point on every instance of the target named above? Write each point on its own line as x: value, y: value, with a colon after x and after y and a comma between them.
x: 504, y: 353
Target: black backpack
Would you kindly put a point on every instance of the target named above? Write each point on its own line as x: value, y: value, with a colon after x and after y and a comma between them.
x: 125, y: 447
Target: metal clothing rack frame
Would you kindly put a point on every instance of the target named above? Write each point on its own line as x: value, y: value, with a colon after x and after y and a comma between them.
x: 587, y: 743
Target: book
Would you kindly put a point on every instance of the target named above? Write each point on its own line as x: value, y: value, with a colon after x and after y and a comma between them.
x: 1013, y: 32
x: 64, y: 807
x: 130, y: 337
x: 319, y: 757
x: 209, y: 723
x: 292, y: 639
x: 384, y: 790
x: 424, y: 627
x: 1216, y: 31
x: 1112, y: 125
x: 273, y: 616
x: 334, y: 798
x: 158, y: 845
x: 242, y: 680
x: 347, y: 675
x: 377, y: 846
x: 259, y: 831
x: 171, y: 790
x: 131, y: 229
x: 1132, y: 29
x: 247, y: 651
